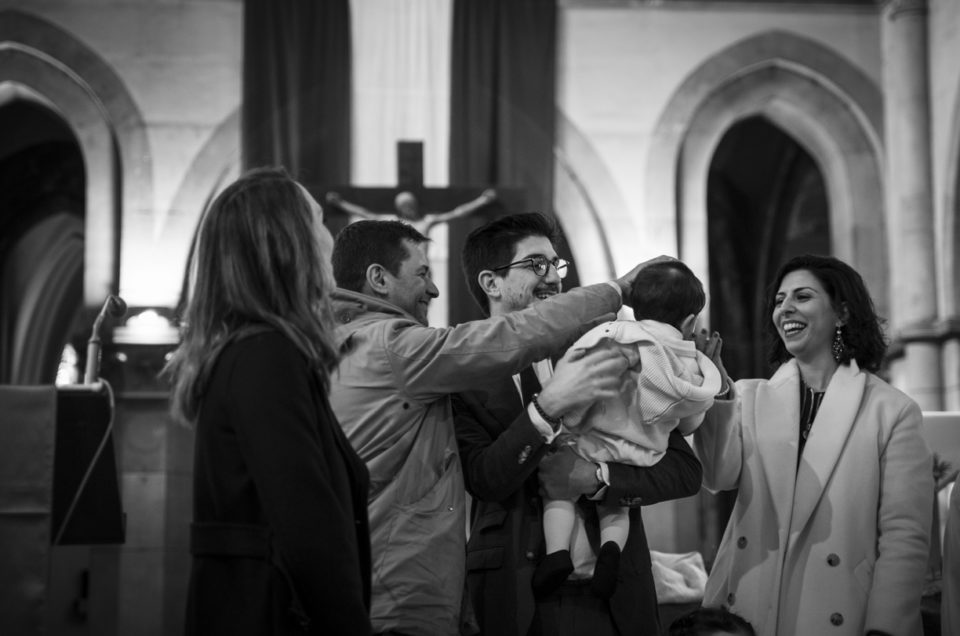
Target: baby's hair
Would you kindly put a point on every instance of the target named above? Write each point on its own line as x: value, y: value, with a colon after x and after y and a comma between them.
x: 667, y: 292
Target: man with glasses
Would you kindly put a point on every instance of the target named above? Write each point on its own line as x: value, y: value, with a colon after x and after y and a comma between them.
x: 391, y: 394
x: 505, y: 429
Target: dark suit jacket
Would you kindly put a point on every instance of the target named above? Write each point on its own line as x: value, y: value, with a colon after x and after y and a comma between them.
x: 280, y: 501
x: 500, y: 449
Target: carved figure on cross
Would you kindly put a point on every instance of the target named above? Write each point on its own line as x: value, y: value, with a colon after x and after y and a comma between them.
x: 408, y: 210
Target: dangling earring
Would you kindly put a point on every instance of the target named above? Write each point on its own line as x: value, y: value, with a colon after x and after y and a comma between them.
x: 839, y: 348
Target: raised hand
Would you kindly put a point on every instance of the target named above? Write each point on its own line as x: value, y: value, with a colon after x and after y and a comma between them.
x: 711, y: 345
x: 625, y: 280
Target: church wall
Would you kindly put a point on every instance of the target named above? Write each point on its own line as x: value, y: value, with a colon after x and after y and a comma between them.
x: 620, y: 64
x: 181, y: 63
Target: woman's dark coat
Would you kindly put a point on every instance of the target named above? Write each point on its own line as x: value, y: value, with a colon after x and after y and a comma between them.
x: 280, y: 540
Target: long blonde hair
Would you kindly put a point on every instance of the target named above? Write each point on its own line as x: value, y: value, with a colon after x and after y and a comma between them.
x: 257, y: 264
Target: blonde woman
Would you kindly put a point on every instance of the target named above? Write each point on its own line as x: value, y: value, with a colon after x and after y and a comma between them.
x: 280, y: 541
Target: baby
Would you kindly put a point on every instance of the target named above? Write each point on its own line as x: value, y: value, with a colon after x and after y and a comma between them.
x: 670, y: 385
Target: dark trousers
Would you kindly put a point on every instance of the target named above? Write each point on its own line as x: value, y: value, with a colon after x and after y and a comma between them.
x: 573, y: 610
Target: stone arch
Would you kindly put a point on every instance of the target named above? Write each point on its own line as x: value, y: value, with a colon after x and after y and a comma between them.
x: 217, y: 163
x: 45, y: 298
x: 42, y: 60
x: 576, y: 164
x: 830, y: 107
x: 212, y: 169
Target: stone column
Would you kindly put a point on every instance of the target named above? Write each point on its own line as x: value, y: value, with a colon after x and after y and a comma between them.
x: 909, y: 202
x: 155, y: 461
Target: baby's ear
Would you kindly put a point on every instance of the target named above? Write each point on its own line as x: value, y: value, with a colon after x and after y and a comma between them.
x: 688, y: 326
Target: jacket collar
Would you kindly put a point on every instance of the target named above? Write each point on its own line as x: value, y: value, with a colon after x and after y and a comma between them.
x: 797, y: 490
x: 349, y: 305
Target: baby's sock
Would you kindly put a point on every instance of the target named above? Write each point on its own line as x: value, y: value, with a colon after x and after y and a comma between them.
x: 605, y: 573
x: 551, y: 572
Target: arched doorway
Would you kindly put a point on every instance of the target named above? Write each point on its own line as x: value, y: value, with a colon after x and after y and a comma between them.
x: 766, y: 202
x: 830, y: 107
x: 42, y: 195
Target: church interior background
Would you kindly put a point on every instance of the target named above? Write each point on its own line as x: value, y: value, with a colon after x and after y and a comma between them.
x: 733, y: 134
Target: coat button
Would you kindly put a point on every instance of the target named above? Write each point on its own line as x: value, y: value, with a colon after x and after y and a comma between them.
x: 836, y: 618
x: 742, y: 542
x: 833, y: 560
x: 731, y: 598
x: 530, y: 555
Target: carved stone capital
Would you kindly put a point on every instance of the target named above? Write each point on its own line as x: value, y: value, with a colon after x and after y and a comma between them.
x: 897, y: 8
x: 924, y: 332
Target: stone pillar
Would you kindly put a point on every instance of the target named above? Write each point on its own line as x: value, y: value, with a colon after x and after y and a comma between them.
x: 909, y: 202
x: 950, y: 330
x: 155, y: 462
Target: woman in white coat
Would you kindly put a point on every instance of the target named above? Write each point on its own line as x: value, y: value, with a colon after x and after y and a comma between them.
x: 830, y: 530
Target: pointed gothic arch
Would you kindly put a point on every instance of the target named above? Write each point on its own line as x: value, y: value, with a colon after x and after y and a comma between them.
x: 40, y: 60
x: 578, y: 207
x: 825, y: 103
x: 48, y: 295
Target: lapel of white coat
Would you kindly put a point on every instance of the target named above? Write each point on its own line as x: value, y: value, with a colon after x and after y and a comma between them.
x: 828, y: 435
x: 778, y: 408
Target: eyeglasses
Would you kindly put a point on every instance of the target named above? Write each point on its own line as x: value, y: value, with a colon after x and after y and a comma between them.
x: 540, y: 265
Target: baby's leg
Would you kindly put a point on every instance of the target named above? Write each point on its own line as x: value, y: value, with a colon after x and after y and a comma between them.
x: 558, y: 520
x: 614, y: 524
x: 614, y: 527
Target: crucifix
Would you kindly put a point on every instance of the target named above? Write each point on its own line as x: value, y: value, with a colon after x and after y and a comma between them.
x: 408, y: 210
x: 461, y: 209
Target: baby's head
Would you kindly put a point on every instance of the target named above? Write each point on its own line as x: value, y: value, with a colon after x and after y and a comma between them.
x: 711, y: 621
x: 668, y: 292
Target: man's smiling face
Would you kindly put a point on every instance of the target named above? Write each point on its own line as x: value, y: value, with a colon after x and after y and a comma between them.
x: 519, y: 285
x: 412, y: 288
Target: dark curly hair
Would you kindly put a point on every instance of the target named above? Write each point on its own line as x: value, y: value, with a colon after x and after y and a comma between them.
x: 863, y: 332
x: 667, y: 292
